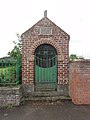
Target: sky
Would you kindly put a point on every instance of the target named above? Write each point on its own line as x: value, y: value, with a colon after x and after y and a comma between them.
x: 73, y: 16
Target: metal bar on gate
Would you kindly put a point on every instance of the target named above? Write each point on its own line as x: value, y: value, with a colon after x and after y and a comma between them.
x: 11, y: 80
x: 45, y: 70
x: 41, y: 69
x: 35, y: 67
x: 55, y: 70
x: 17, y: 72
x: 9, y: 71
x: 56, y: 66
x: 13, y: 71
x: 38, y: 70
x: 51, y: 70
x: 5, y: 71
x: 0, y: 72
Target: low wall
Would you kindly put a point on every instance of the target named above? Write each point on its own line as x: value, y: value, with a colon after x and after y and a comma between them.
x: 10, y: 95
x: 79, y: 76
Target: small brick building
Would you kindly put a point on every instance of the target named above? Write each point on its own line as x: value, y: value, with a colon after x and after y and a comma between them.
x: 47, y: 73
x: 45, y: 58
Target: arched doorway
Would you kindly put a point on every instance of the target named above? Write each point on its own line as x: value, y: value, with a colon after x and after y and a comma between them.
x: 45, y: 68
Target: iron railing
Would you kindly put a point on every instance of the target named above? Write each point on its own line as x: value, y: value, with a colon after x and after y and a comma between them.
x: 9, y: 73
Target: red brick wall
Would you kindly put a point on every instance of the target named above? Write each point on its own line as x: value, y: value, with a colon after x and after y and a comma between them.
x: 80, y: 81
x: 31, y: 40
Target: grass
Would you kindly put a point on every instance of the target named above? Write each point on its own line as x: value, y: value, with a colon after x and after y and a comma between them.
x: 7, y: 74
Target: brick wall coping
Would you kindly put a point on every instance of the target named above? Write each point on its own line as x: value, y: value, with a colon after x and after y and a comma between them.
x: 80, y: 61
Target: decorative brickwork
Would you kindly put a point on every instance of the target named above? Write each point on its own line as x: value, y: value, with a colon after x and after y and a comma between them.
x: 53, y: 36
x: 46, y: 41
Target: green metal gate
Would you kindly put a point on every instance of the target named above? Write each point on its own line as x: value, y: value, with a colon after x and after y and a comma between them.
x: 45, y: 68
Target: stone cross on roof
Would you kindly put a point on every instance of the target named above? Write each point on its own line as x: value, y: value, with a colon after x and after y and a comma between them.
x: 45, y: 13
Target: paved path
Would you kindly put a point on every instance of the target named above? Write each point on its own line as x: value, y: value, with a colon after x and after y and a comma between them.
x: 65, y: 110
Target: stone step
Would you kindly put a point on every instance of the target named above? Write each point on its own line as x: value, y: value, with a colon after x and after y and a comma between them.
x: 55, y: 98
x: 45, y: 93
x: 49, y: 95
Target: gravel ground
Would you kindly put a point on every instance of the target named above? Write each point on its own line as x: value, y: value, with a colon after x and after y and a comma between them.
x: 60, y: 110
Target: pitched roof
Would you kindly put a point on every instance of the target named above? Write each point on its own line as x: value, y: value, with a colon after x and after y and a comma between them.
x: 47, y: 22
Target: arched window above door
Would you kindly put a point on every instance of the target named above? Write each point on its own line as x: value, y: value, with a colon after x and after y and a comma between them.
x: 45, y: 55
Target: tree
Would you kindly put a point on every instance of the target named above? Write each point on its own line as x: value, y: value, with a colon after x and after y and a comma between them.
x: 74, y: 57
x: 16, y: 52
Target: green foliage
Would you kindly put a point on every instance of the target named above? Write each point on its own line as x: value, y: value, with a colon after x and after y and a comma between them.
x: 10, y: 106
x: 7, y: 75
x: 16, y: 53
x: 74, y: 57
x: 80, y: 57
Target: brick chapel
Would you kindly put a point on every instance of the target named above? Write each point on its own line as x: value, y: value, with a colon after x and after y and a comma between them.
x: 45, y: 58
x: 47, y: 73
